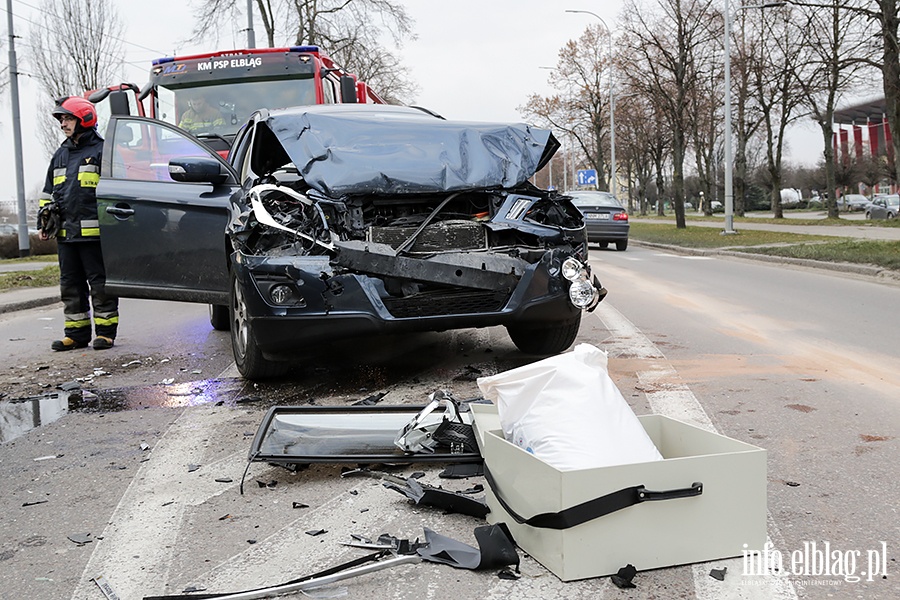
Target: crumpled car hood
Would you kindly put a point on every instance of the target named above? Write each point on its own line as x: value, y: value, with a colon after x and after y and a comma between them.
x: 349, y: 150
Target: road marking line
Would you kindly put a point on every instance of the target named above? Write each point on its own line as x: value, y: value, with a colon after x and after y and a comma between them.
x: 668, y: 395
x: 134, y: 553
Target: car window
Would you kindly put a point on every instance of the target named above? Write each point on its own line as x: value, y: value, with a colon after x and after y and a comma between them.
x: 141, y: 150
x: 595, y: 199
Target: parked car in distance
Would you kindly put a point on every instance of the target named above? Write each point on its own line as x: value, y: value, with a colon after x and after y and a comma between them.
x: 852, y: 203
x: 791, y: 198
x: 605, y: 219
x: 342, y: 221
x: 884, y: 207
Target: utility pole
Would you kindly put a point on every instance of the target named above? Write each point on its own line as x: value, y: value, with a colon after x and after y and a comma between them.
x: 24, y: 242
x: 251, y: 37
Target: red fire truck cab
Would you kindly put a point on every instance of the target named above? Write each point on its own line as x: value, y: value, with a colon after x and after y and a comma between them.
x: 212, y: 94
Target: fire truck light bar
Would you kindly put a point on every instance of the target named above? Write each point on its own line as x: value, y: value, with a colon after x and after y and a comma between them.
x: 168, y: 59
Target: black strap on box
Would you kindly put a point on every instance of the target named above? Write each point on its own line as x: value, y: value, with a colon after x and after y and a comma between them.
x: 592, y: 509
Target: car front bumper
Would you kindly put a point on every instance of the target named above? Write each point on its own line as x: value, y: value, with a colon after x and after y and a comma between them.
x: 328, y: 306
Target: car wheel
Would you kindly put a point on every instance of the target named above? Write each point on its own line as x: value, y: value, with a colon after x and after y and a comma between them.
x: 603, y: 244
x: 544, y: 339
x: 621, y: 245
x: 868, y: 215
x: 219, y: 317
x: 890, y: 216
x: 247, y: 355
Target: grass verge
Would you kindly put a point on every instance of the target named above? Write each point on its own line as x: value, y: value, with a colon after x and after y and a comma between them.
x: 711, y: 237
x: 884, y: 254
x: 46, y: 277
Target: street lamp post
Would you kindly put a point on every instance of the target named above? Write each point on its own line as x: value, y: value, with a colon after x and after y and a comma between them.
x: 612, y: 105
x: 729, y: 187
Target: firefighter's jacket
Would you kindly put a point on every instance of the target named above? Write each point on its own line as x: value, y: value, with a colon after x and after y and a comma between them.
x: 72, y: 183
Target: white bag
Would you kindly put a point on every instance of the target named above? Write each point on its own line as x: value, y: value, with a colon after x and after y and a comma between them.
x: 568, y: 412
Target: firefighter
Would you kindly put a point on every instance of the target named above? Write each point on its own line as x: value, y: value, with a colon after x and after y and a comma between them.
x: 201, y: 116
x: 69, y: 213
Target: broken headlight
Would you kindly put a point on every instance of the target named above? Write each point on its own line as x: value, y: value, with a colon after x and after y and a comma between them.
x: 582, y: 292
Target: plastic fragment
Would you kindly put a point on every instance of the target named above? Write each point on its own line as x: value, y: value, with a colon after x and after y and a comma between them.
x: 718, y: 573
x: 370, y: 400
x: 299, y: 505
x: 106, y: 588
x: 622, y: 579
x: 35, y: 502
x: 192, y: 468
x: 81, y: 538
x: 145, y: 446
x: 224, y: 480
x: 315, y: 532
x: 48, y: 457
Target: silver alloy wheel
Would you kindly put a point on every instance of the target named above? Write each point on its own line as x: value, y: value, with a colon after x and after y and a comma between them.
x: 239, y: 319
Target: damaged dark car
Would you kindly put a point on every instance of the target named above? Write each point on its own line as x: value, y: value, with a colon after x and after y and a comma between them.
x: 331, y: 222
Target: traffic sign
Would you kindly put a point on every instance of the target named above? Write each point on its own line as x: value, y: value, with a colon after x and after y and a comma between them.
x: 587, y: 176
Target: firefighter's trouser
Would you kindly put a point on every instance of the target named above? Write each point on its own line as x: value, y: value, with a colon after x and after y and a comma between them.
x: 82, y: 284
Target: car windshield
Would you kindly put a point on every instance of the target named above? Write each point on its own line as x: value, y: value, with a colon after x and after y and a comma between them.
x: 223, y: 108
x: 594, y: 199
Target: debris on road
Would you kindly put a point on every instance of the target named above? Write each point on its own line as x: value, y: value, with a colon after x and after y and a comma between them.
x: 427, y: 495
x: 81, y: 538
x: 718, y: 573
x: 623, y: 578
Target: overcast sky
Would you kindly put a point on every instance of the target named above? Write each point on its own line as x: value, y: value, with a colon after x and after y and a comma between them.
x: 473, y: 60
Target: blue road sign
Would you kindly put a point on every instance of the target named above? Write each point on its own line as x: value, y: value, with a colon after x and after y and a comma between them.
x: 587, y: 176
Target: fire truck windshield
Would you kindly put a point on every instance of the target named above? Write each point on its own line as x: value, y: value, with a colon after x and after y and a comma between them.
x: 222, y: 108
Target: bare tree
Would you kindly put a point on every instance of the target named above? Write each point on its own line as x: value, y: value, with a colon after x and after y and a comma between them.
x: 774, y: 88
x: 581, y: 108
x: 76, y: 48
x: 704, y: 128
x: 642, y: 138
x: 663, y: 46
x: 349, y: 30
x: 839, y: 44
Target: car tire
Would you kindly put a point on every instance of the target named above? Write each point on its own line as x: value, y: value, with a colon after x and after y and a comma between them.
x: 247, y: 356
x: 868, y: 216
x: 546, y: 338
x: 219, y: 317
x: 890, y: 216
x: 602, y: 244
x: 621, y: 245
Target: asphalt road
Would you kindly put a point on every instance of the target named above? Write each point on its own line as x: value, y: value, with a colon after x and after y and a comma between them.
x: 798, y: 362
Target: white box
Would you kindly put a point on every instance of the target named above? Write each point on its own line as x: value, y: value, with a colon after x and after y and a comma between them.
x: 728, y: 517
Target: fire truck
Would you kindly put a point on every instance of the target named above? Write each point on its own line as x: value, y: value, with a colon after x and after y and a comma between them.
x: 229, y: 85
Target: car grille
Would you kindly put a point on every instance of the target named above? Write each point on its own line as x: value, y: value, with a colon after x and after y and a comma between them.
x: 449, y: 302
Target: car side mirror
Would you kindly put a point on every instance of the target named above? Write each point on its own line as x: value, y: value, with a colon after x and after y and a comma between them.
x: 197, y: 169
x: 348, y: 89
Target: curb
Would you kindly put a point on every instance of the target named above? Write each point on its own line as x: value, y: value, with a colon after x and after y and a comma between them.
x: 883, y: 275
x: 25, y: 304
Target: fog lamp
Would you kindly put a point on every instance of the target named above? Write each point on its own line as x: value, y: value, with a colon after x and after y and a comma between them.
x: 280, y: 294
x: 573, y: 270
x: 582, y: 294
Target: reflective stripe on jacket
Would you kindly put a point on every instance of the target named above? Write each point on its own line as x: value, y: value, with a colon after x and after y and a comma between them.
x: 72, y: 182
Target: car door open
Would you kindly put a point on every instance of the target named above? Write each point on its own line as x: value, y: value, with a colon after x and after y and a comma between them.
x: 163, y: 238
